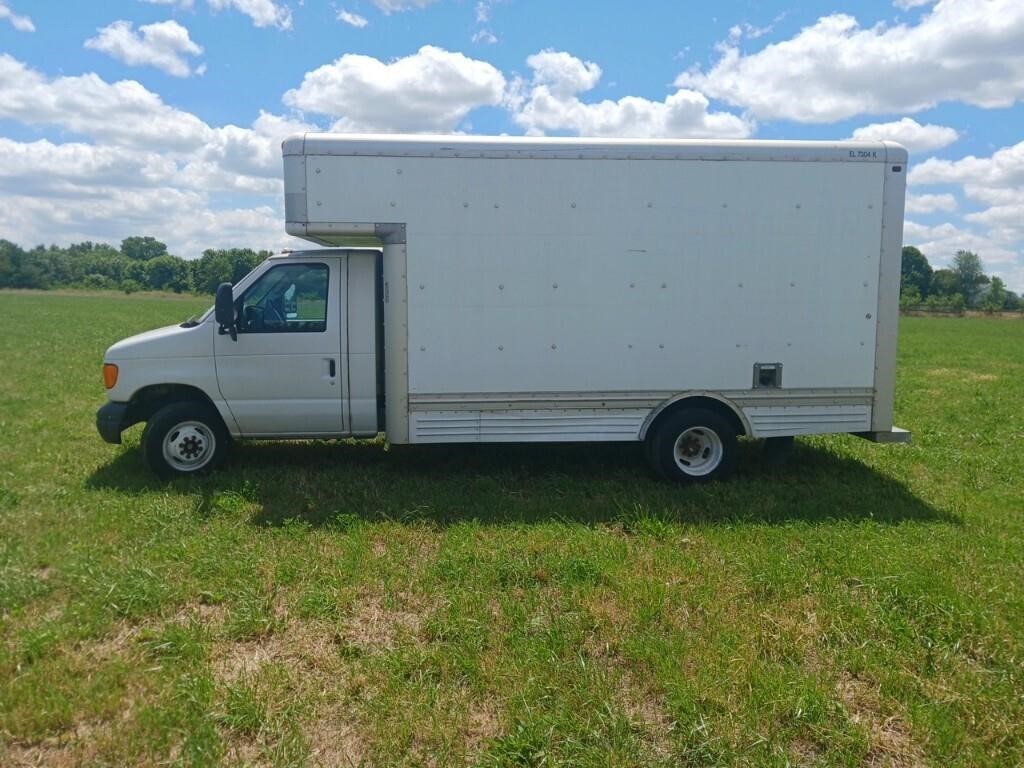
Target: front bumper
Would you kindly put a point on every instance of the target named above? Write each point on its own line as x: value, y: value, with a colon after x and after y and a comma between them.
x: 111, y: 420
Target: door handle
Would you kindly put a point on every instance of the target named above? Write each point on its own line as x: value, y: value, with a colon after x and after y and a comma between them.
x: 331, y: 370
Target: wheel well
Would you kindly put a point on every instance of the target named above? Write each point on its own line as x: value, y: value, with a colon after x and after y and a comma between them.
x: 723, y: 409
x: 149, y: 400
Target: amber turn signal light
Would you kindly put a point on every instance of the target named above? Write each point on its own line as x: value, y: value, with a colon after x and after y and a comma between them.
x: 109, y: 375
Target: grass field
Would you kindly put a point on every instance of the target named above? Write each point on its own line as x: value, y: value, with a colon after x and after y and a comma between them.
x: 342, y: 604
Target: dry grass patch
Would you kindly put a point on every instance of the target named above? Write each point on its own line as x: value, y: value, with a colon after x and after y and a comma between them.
x: 961, y: 373
x: 307, y: 647
x: 81, y: 745
x: 374, y: 625
x: 647, y: 712
x: 644, y: 707
x: 334, y: 742
x: 483, y: 723
x: 122, y: 643
x: 890, y: 738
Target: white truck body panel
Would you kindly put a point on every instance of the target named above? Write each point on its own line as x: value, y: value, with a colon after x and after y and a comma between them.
x: 564, y: 289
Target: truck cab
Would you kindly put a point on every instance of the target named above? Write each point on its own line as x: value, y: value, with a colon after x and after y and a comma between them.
x: 300, y: 357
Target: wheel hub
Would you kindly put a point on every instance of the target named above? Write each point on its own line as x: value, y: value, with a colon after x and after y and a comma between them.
x: 698, y: 451
x: 189, y: 446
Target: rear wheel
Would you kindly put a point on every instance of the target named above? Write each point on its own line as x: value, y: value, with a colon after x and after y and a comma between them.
x: 184, y: 439
x: 694, y: 446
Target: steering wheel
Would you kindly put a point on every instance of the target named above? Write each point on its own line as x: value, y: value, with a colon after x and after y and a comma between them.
x: 273, y: 317
x: 252, y: 318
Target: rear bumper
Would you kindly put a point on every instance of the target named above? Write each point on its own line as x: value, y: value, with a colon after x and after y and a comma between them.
x: 895, y: 435
x: 111, y: 420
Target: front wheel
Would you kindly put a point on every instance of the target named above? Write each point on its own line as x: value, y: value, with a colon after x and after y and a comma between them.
x: 694, y: 446
x: 184, y: 439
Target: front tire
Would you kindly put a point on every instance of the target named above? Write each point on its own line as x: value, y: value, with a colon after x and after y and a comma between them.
x: 694, y: 446
x: 184, y: 439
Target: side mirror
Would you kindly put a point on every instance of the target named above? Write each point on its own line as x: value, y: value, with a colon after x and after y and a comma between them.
x: 224, y: 310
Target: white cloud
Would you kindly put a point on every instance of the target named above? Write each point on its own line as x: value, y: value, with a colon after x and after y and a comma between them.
x: 550, y: 102
x: 264, y: 13
x: 562, y: 74
x: 143, y: 167
x: 431, y: 90
x: 940, y: 243
x: 243, y: 159
x: 1003, y: 170
x: 352, y: 19
x: 910, y: 133
x: 961, y: 50
x: 931, y: 203
x: 482, y: 13
x: 76, y: 191
x: 183, y: 220
x: 996, y: 232
x: 128, y: 116
x: 163, y: 45
x: 20, y: 23
x: 738, y: 31
x: 76, y: 169
x: 397, y: 6
x: 86, y: 104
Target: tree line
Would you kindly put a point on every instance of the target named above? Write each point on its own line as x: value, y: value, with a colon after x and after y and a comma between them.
x: 140, y: 264
x: 962, y: 285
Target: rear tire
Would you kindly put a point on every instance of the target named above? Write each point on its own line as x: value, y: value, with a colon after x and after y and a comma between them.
x: 184, y: 439
x: 694, y: 446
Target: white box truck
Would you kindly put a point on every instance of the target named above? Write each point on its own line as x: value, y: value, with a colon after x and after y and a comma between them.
x: 482, y: 289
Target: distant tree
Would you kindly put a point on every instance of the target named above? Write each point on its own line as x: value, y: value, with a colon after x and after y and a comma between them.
x: 22, y: 269
x: 944, y: 283
x: 95, y: 281
x: 915, y: 272
x: 142, y: 248
x: 218, y: 266
x: 909, y: 297
x: 995, y: 295
x: 89, y: 249
x: 88, y: 258
x: 135, y: 271
x: 169, y: 273
x: 141, y: 263
x: 1012, y: 302
x: 970, y: 275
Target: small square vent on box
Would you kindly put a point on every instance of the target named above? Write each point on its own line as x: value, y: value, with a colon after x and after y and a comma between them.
x: 767, y: 375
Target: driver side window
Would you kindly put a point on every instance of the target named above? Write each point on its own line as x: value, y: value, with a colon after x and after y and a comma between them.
x: 288, y: 298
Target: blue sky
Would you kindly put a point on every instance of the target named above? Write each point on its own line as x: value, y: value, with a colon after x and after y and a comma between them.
x: 164, y: 117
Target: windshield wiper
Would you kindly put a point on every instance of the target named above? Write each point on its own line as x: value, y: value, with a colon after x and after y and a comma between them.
x: 190, y: 323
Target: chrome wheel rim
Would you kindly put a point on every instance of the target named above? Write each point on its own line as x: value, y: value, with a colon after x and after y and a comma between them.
x: 189, y: 446
x: 698, y: 451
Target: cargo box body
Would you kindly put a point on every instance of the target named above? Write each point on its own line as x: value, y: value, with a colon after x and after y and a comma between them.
x: 555, y: 289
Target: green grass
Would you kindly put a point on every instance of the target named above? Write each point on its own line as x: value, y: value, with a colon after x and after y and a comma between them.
x: 347, y: 604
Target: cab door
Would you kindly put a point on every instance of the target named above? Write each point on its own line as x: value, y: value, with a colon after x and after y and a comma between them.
x: 282, y: 377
